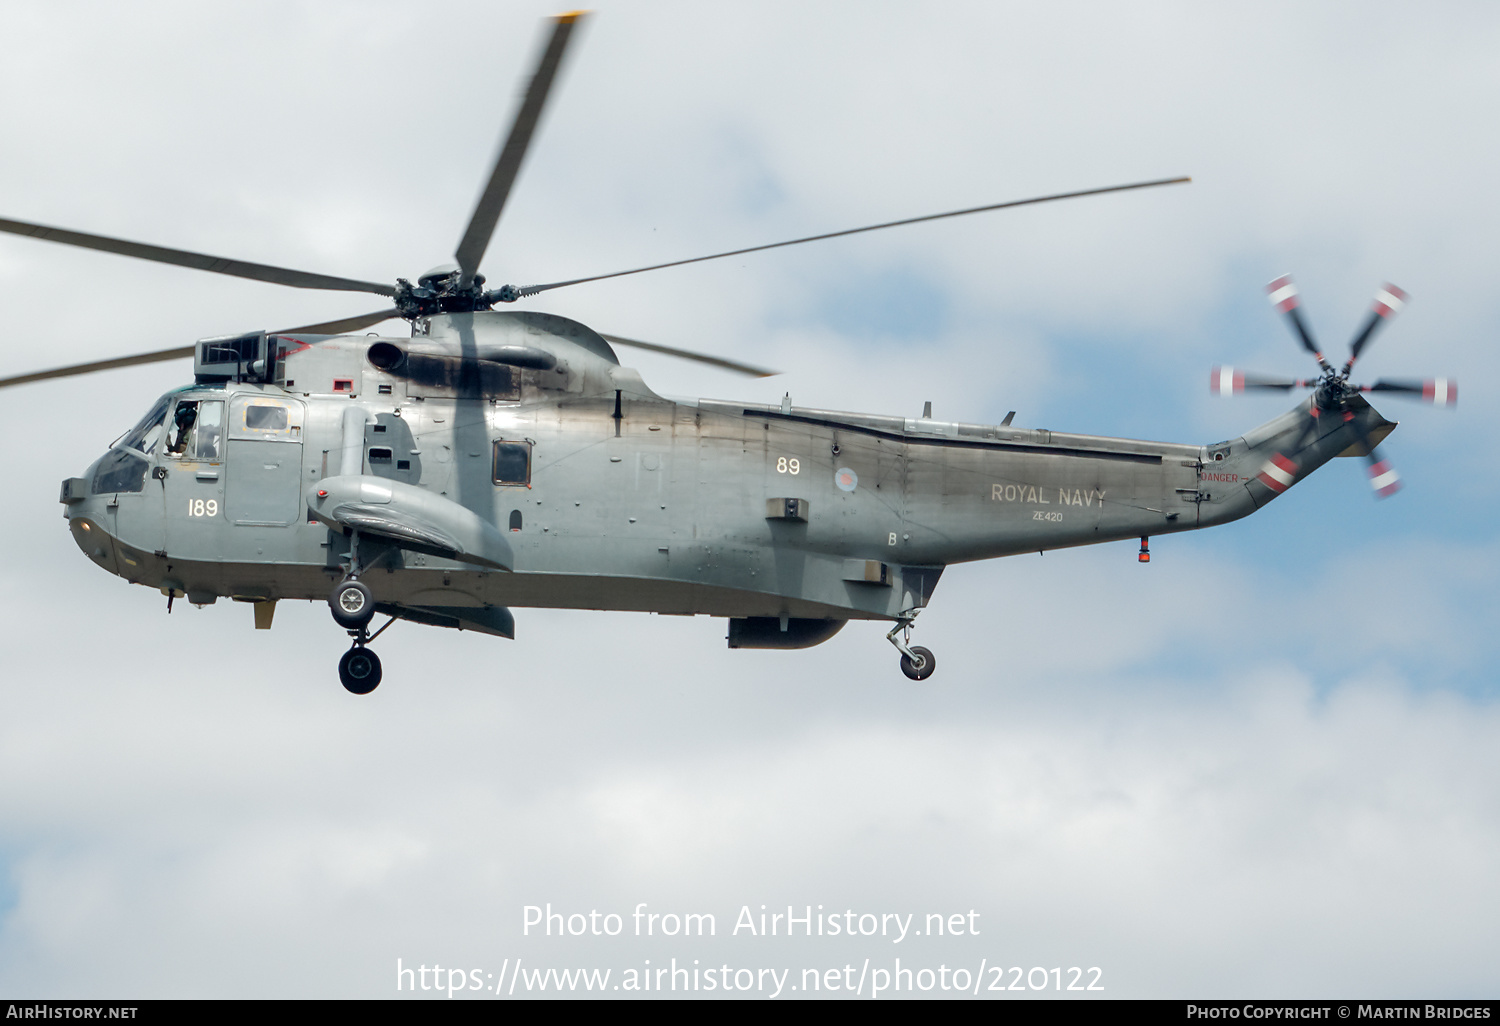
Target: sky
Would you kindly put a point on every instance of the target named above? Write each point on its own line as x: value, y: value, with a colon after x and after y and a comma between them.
x: 1262, y: 765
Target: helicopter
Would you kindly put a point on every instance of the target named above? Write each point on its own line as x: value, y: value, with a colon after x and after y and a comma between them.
x: 499, y: 459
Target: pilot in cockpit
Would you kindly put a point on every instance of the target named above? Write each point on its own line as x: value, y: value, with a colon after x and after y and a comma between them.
x: 186, y: 417
x: 197, y: 429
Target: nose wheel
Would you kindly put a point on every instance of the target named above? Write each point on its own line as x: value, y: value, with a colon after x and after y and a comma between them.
x: 917, y: 662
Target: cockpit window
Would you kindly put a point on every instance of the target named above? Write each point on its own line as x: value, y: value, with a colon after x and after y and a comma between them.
x: 197, y: 429
x: 144, y: 436
x: 210, y: 431
x: 119, y: 471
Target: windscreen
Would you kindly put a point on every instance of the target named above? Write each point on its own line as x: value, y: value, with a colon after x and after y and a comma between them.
x: 144, y: 436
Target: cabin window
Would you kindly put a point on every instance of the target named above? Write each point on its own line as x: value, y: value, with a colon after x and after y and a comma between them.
x: 512, y: 463
x: 265, y: 418
x: 515, y: 520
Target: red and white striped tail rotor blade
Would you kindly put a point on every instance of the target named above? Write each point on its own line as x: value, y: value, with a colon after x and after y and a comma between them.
x: 1226, y: 381
x: 1283, y: 294
x: 1440, y: 391
x: 1279, y: 473
x: 1232, y: 380
x: 1285, y: 297
x: 1383, y: 477
x: 1388, y: 303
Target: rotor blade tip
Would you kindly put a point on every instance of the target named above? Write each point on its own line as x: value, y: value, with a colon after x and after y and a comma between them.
x: 570, y: 17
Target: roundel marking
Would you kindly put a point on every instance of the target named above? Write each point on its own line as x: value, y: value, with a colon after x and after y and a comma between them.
x: 846, y: 479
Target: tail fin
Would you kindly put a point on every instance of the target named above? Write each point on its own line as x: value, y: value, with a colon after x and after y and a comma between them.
x: 1279, y: 453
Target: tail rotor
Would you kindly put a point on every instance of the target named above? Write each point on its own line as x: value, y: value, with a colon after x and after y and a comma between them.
x: 1332, y: 391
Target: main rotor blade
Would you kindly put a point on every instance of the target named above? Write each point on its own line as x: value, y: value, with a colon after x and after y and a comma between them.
x: 531, y: 290
x: 186, y: 352
x: 476, y: 237
x: 1388, y: 303
x: 341, y: 327
x: 200, y: 261
x: 686, y: 354
x: 1283, y: 295
x: 100, y: 365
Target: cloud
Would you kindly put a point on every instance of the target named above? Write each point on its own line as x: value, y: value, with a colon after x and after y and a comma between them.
x: 1120, y: 789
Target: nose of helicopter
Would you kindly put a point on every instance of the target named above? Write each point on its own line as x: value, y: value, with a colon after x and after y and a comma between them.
x: 87, y: 515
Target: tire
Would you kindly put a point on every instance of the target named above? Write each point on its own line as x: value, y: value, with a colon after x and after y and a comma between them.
x: 359, y: 671
x: 923, y: 667
x: 352, y: 604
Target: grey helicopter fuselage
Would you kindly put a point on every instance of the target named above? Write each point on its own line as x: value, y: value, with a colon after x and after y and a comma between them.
x: 507, y: 459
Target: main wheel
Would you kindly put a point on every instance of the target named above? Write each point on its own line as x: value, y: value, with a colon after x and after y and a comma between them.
x: 359, y: 670
x: 920, y: 668
x: 352, y: 605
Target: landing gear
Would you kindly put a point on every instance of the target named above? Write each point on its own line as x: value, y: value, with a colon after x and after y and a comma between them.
x: 359, y: 670
x: 916, y: 662
x: 920, y: 664
x: 352, y: 604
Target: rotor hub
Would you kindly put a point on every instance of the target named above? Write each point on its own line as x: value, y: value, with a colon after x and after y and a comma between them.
x: 441, y: 291
x: 1333, y: 392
